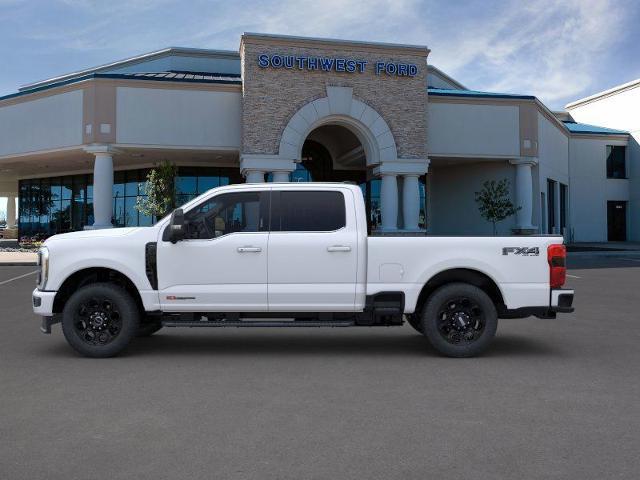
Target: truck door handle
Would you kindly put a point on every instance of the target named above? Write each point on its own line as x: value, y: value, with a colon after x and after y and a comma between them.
x: 339, y: 248
x: 249, y: 249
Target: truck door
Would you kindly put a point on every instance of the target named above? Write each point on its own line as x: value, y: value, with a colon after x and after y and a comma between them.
x: 312, y: 251
x: 221, y: 265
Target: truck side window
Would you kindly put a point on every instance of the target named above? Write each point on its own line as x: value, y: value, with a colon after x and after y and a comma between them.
x: 228, y: 213
x: 309, y: 211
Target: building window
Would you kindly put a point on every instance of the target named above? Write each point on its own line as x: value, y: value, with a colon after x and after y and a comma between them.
x: 564, y: 189
x: 616, y: 161
x: 60, y: 204
x: 551, y: 205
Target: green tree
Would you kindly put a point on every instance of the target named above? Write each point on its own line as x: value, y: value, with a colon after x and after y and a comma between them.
x: 160, y: 191
x: 494, y: 202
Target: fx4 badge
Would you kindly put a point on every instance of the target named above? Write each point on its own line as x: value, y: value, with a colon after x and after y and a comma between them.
x: 524, y: 251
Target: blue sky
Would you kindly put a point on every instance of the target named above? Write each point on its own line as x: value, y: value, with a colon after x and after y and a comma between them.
x: 557, y: 50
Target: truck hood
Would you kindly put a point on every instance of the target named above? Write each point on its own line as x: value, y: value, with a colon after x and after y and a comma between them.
x: 102, y: 233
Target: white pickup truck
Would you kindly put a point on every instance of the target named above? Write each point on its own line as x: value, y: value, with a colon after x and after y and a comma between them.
x: 290, y: 255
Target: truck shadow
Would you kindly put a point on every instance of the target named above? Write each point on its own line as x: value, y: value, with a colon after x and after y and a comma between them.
x: 318, y: 344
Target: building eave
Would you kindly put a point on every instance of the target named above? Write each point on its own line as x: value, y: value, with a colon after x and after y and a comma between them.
x: 115, y: 76
x: 605, y: 93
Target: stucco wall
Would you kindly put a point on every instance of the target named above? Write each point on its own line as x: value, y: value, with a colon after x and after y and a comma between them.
x: 190, y: 118
x: 468, y: 129
x: 590, y: 189
x: 45, y: 123
x: 620, y: 111
x: 451, y: 194
x: 271, y: 96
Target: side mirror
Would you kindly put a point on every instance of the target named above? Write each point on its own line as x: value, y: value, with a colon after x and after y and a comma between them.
x: 177, y: 228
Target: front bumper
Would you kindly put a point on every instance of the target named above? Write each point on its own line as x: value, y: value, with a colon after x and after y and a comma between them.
x: 42, y: 303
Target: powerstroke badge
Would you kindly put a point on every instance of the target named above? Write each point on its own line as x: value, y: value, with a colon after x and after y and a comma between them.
x: 524, y: 251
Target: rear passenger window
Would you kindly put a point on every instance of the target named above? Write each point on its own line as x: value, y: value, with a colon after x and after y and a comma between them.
x: 310, y: 211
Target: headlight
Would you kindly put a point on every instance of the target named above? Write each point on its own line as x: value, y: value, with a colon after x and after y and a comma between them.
x: 43, y: 271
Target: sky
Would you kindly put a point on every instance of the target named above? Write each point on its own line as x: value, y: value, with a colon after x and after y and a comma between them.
x: 557, y: 50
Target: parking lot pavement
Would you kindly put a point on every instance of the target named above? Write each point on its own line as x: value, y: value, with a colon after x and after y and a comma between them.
x: 551, y: 399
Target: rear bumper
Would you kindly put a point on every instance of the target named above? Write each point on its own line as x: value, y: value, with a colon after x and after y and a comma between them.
x: 560, y: 301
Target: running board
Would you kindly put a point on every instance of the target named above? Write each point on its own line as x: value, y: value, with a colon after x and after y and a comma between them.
x: 259, y: 323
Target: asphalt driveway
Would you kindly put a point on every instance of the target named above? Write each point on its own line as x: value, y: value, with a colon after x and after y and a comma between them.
x: 552, y: 399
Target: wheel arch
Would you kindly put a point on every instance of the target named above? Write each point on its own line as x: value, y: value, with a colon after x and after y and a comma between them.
x: 87, y: 276
x: 461, y: 275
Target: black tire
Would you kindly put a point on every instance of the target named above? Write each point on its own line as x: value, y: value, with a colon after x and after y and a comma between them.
x: 415, y: 321
x: 459, y: 320
x: 100, y: 319
x: 148, y: 328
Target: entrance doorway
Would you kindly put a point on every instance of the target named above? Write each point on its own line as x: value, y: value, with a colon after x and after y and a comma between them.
x: 617, y: 221
x: 333, y: 153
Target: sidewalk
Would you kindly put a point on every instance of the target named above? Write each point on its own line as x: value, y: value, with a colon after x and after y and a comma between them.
x: 18, y: 259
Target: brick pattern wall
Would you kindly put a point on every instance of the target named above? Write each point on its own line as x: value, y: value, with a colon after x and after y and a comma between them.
x: 271, y: 96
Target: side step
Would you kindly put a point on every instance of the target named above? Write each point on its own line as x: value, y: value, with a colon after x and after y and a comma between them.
x: 259, y: 323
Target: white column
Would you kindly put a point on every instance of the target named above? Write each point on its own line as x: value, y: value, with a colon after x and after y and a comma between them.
x: 102, y: 185
x: 280, y: 176
x: 389, y: 202
x: 524, y: 192
x: 410, y: 202
x: 254, y: 176
x: 11, y: 212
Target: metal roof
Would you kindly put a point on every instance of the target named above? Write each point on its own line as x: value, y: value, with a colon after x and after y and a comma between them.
x: 475, y: 93
x: 585, y: 128
x: 186, y: 77
x: 135, y: 60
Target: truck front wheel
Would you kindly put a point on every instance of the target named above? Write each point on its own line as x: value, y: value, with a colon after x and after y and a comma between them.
x: 100, y: 319
x: 459, y: 320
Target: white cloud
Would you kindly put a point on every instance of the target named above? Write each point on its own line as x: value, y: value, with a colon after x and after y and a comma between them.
x: 546, y: 48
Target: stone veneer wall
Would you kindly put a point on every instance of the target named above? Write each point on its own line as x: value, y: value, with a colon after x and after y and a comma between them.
x: 271, y: 96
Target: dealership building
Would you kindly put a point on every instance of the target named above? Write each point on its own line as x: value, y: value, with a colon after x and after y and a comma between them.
x: 75, y: 150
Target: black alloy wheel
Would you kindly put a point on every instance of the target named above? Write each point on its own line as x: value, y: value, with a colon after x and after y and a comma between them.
x: 100, y: 319
x: 459, y: 320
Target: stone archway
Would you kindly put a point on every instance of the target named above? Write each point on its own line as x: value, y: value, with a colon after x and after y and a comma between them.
x: 340, y: 108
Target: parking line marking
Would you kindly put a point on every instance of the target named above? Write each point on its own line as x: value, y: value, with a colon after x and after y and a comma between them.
x: 573, y: 276
x: 18, y: 278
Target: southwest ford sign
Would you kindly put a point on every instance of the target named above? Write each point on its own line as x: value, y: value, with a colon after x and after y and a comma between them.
x: 335, y: 64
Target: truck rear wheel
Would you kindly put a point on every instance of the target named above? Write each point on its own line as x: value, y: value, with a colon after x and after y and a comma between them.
x: 459, y: 320
x: 100, y: 319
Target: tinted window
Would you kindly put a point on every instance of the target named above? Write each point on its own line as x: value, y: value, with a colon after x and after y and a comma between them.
x: 311, y: 212
x: 227, y: 213
x: 616, y: 162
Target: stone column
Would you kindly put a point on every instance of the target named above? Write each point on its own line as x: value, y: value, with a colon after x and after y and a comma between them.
x: 411, y: 202
x: 524, y: 194
x: 254, y: 176
x: 11, y: 212
x: 280, y: 176
x: 389, y: 202
x: 102, y: 186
